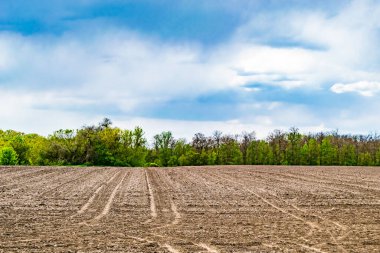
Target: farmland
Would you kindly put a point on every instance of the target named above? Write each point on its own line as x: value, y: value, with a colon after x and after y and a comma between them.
x: 190, y: 209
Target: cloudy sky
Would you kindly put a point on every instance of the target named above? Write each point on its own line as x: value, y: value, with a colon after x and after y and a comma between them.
x: 190, y: 66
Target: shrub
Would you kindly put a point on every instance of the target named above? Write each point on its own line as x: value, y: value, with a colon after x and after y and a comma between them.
x: 8, y: 156
x: 151, y: 165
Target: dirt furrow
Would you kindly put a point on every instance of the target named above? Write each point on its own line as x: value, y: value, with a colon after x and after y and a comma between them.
x: 108, y: 205
x: 358, y: 175
x: 190, y: 209
x: 90, y: 200
x: 152, y: 201
x: 171, y: 249
x: 208, y: 248
x: 177, y: 215
x: 296, y: 213
x: 269, y: 202
x: 64, y: 182
x: 18, y: 174
x: 100, y: 200
x: 322, y: 180
x: 166, y: 195
x: 38, y: 176
x: 288, y: 185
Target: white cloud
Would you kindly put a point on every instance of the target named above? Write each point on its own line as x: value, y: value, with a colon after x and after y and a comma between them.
x: 187, y: 129
x: 19, y: 112
x: 269, y: 65
x: 22, y: 113
x: 311, y: 48
x: 54, y: 78
x: 364, y: 88
x: 31, y: 112
x: 116, y: 67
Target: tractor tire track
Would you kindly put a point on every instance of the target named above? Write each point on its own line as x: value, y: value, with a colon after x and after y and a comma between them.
x: 331, y: 184
x: 100, y: 202
x: 166, y: 194
x: 208, y: 248
x: 95, y: 194
x: 108, y: 205
x: 153, y: 208
x: 265, y: 182
x: 314, y: 225
x: 70, y: 181
x: 90, y: 200
x: 36, y: 177
x: 198, y: 209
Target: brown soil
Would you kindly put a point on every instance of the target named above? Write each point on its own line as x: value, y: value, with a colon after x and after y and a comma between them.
x: 190, y: 209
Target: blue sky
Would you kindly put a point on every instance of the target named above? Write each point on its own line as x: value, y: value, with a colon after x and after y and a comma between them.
x: 190, y: 66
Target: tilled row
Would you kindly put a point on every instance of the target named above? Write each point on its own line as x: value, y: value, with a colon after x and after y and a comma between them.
x: 189, y: 209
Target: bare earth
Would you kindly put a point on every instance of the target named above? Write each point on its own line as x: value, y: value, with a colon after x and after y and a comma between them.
x: 190, y: 209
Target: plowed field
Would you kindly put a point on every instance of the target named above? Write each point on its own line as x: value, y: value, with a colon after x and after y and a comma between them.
x: 190, y: 209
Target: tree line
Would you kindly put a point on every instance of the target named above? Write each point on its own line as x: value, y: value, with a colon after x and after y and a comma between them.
x: 105, y: 145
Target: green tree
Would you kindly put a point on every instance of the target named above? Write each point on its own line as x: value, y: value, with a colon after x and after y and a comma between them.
x: 304, y: 154
x: 230, y: 153
x: 60, y: 148
x: 252, y: 153
x: 378, y: 157
x: 139, y: 149
x: 104, y: 144
x: 8, y: 156
x: 86, y: 141
x: 260, y: 152
x: 107, y: 146
x: 278, y: 143
x: 328, y: 153
x: 348, y: 155
x: 264, y: 153
x: 21, y: 147
x: 246, y: 140
x: 163, y: 144
x: 37, y: 147
x: 310, y: 153
x: 365, y: 159
x: 293, y: 149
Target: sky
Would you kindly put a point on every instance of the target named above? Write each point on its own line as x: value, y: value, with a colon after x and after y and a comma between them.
x: 190, y: 66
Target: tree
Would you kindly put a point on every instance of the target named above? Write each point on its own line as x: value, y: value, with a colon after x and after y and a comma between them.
x: 230, y: 153
x: 86, y: 142
x: 8, y: 156
x: 265, y: 154
x: 106, y: 123
x: 200, y: 142
x: 133, y: 150
x: 365, y: 159
x: 107, y: 147
x: 60, y: 148
x: 182, y: 151
x: 139, y: 150
x: 294, y: 146
x: 310, y: 153
x: 378, y: 157
x: 348, y: 155
x: 328, y: 152
x: 163, y: 144
x: 103, y: 144
x: 278, y: 143
x: 252, y: 153
x: 21, y: 148
x: 246, y: 139
x: 37, y: 146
